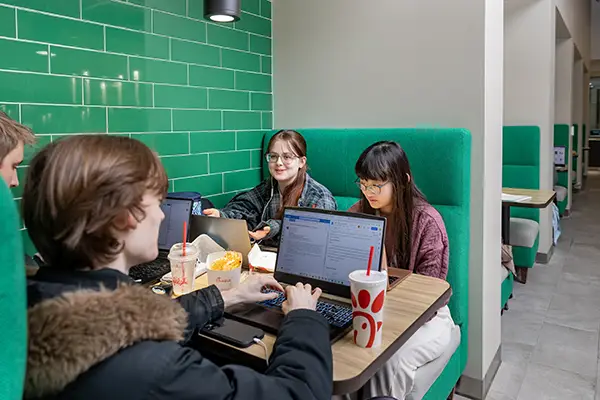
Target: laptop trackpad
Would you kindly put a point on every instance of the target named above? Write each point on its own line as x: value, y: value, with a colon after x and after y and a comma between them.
x: 253, y: 314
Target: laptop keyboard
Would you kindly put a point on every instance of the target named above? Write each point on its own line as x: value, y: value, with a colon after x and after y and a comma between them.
x: 151, y: 271
x: 337, y: 315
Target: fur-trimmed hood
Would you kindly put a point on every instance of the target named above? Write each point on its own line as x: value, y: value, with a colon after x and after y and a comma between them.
x: 76, y: 330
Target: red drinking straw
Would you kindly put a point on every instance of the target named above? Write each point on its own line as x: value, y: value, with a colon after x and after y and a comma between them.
x: 184, y: 235
x: 370, y: 260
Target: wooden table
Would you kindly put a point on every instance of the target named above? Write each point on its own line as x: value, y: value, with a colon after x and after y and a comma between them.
x: 539, y: 199
x: 407, y: 307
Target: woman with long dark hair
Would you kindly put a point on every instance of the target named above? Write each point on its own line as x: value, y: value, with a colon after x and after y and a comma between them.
x: 289, y: 185
x: 416, y: 240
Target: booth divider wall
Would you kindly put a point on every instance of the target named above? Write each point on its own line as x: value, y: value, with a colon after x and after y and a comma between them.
x: 584, y: 154
x: 573, y: 156
x: 13, y: 301
x: 562, y: 138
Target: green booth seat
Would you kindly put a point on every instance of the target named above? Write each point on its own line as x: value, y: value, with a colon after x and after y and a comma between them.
x: 440, y: 162
x: 561, y: 138
x: 13, y: 307
x: 521, y: 169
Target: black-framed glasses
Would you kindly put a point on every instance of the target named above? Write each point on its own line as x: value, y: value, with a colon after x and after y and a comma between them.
x: 286, y: 158
x: 373, y: 189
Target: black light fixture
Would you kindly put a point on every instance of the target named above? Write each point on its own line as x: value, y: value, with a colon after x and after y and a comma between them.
x: 222, y: 10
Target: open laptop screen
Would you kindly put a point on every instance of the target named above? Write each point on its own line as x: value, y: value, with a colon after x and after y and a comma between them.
x: 323, y: 247
x: 171, y: 228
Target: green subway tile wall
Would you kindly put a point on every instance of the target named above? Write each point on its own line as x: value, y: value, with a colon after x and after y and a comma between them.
x: 196, y: 92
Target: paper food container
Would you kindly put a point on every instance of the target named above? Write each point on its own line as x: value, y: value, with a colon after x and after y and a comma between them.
x: 261, y: 261
x: 224, y: 280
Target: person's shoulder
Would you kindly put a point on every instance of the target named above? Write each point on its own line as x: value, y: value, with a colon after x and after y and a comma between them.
x: 426, y: 215
x: 317, y: 187
x: 356, y: 207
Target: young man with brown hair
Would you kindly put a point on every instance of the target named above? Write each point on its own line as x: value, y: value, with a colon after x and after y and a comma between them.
x: 13, y: 138
x: 92, y: 208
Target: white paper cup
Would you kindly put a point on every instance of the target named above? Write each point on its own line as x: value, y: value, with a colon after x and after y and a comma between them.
x: 368, y: 298
x: 183, y: 267
x: 224, y: 280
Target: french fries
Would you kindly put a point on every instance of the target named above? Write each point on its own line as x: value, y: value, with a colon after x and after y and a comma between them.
x: 229, y: 262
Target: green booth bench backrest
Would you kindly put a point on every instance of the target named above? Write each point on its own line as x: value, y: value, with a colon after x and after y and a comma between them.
x: 440, y: 161
x: 521, y: 163
x: 13, y: 336
x: 561, y: 138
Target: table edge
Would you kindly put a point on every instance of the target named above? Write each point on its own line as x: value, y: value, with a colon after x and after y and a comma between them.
x: 529, y: 205
x: 353, y: 384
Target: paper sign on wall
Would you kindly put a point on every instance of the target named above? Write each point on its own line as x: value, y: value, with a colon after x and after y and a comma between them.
x: 560, y: 155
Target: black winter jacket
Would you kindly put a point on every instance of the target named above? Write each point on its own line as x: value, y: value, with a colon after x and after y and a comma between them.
x: 94, y: 335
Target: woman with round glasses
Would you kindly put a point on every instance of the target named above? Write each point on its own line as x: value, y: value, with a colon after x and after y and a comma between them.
x: 289, y: 185
x: 416, y: 240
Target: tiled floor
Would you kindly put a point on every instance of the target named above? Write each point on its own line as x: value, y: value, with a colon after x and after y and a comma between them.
x: 550, y: 333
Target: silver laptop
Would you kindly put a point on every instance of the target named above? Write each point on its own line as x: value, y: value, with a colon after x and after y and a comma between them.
x: 231, y: 234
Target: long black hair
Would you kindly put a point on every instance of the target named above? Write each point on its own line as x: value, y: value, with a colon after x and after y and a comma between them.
x: 386, y: 161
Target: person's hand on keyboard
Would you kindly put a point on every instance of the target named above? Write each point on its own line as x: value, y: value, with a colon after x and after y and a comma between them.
x: 250, y: 291
x: 300, y: 296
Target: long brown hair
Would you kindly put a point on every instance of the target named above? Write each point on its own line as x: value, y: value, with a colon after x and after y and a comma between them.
x: 291, y: 194
x: 386, y: 161
x: 77, y: 188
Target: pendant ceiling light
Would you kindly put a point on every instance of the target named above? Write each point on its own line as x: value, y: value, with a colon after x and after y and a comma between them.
x: 222, y: 10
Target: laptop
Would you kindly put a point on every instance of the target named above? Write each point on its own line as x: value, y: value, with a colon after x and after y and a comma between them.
x: 322, y: 248
x: 231, y: 234
x: 177, y: 211
x: 395, y: 275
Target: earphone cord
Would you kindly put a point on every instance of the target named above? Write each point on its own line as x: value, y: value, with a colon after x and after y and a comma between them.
x: 262, y: 217
x: 264, y: 346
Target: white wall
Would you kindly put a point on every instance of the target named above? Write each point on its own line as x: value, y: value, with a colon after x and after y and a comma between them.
x: 577, y: 17
x: 595, y: 45
x: 339, y: 63
x: 564, y: 81
x: 529, y: 51
x: 577, y: 114
x: 565, y: 53
x: 586, y: 118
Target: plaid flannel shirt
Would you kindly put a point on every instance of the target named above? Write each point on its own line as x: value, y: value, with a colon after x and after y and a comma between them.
x: 259, y: 208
